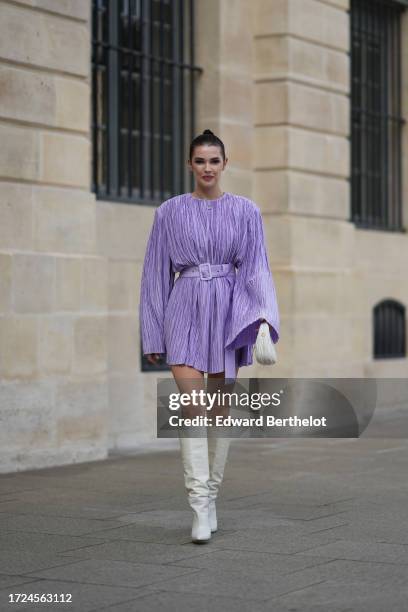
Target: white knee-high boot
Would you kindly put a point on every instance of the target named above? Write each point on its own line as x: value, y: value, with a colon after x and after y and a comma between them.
x: 218, y: 447
x: 194, y: 452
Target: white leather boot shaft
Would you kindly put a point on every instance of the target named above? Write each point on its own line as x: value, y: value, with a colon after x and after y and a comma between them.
x: 212, y: 515
x: 194, y: 452
x: 217, y: 455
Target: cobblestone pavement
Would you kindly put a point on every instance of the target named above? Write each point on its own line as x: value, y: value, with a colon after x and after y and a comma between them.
x: 306, y: 524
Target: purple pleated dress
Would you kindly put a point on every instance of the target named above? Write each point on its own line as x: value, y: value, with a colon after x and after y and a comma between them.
x: 199, y: 322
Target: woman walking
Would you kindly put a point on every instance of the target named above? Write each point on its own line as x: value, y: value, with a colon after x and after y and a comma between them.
x: 207, y: 320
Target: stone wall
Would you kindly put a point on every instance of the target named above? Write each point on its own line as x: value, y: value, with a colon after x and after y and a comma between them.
x: 53, y: 297
x: 329, y: 274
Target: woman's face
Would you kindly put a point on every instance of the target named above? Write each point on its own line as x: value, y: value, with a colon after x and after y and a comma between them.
x: 207, y: 161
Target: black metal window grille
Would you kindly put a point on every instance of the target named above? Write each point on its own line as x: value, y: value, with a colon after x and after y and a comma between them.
x: 143, y: 112
x: 389, y: 330
x: 376, y: 121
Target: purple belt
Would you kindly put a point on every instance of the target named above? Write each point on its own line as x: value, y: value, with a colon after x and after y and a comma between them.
x: 206, y: 271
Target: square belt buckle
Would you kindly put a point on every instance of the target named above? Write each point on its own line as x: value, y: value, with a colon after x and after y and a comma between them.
x: 205, y: 271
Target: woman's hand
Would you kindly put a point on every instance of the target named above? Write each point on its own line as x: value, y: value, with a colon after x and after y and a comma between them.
x: 153, y: 358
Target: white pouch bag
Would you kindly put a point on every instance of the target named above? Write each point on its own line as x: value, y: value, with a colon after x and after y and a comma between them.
x: 265, y: 352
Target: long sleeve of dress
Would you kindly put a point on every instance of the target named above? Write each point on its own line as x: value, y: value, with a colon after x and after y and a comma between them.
x: 254, y: 296
x: 156, y: 285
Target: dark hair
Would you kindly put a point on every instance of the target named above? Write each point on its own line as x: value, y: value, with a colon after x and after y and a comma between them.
x: 207, y: 137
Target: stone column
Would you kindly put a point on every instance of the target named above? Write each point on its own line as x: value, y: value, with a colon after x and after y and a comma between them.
x: 301, y: 179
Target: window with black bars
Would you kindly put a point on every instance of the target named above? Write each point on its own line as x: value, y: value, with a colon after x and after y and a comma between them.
x: 143, y: 111
x: 376, y: 121
x: 389, y: 330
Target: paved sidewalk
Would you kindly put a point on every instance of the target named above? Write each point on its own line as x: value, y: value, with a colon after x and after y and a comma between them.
x: 308, y: 525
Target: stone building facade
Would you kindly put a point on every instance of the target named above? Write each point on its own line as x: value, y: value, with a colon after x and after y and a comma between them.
x: 275, y: 87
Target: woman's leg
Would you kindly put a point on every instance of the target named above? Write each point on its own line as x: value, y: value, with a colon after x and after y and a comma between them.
x: 194, y: 453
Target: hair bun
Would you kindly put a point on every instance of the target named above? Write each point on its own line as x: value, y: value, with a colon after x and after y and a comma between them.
x: 206, y: 138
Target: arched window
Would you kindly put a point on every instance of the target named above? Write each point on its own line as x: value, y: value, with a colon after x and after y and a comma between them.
x: 389, y: 330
